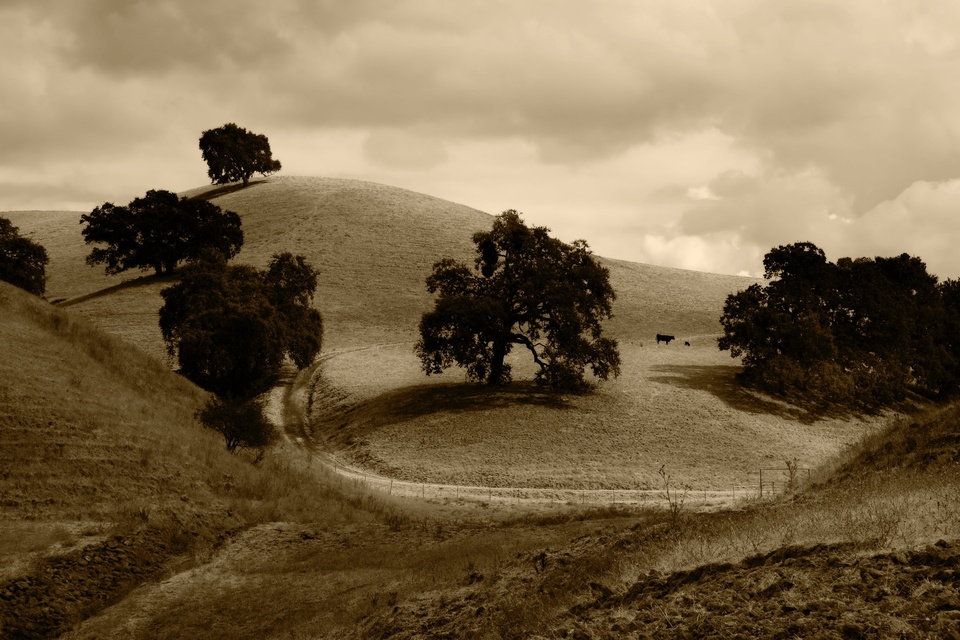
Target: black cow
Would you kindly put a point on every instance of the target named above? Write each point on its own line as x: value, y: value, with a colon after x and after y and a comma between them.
x: 664, y: 338
x: 686, y: 344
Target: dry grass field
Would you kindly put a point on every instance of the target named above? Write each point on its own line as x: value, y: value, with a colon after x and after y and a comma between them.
x: 668, y: 402
x: 120, y: 517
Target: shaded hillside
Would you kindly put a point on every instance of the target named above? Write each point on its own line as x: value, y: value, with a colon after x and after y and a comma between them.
x: 105, y: 475
x: 86, y: 422
x: 374, y: 246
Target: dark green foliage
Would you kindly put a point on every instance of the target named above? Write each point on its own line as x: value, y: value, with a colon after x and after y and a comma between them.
x: 158, y: 231
x: 858, y: 332
x: 23, y: 262
x: 232, y: 153
x: 230, y: 327
x: 526, y: 289
x: 240, y: 421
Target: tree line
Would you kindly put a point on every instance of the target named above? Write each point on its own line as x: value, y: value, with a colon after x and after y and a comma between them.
x: 860, y: 332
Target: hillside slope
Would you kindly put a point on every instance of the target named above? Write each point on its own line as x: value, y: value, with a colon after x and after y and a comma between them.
x: 106, y: 478
x: 374, y: 246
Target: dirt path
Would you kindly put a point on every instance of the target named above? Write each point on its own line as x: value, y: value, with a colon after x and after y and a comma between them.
x: 286, y: 408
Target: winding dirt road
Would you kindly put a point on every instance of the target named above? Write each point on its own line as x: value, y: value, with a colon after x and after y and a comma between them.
x: 286, y: 408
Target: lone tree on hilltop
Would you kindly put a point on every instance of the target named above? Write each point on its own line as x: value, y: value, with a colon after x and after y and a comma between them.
x: 158, y: 231
x: 526, y: 289
x: 23, y: 262
x: 230, y: 327
x: 232, y: 153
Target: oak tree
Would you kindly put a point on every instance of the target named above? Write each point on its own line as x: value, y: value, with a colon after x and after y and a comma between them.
x: 231, y: 326
x: 23, y: 262
x: 528, y: 289
x: 234, y: 154
x: 158, y: 231
x: 240, y: 421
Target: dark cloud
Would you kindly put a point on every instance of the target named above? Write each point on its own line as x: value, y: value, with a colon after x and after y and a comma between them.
x: 133, y: 37
x: 842, y: 106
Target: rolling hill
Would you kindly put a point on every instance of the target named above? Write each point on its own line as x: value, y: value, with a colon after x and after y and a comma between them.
x: 374, y: 245
x: 106, y: 478
x: 107, y: 483
x: 371, y: 405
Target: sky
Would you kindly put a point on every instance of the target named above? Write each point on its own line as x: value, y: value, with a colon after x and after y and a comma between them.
x: 696, y: 134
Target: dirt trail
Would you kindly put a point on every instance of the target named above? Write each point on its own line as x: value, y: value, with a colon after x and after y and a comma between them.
x: 286, y: 408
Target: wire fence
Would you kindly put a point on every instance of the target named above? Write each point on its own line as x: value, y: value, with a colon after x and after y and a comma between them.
x: 764, y: 483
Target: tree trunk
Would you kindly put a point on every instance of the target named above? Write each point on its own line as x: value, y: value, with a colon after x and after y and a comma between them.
x: 496, y: 363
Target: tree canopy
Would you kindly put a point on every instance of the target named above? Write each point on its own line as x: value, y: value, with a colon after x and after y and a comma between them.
x: 23, y: 262
x: 240, y: 421
x: 862, y: 331
x: 158, y: 231
x: 232, y: 154
x: 526, y: 289
x: 230, y: 327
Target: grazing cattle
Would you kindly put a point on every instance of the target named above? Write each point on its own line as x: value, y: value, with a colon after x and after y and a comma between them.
x: 686, y: 344
x: 664, y: 338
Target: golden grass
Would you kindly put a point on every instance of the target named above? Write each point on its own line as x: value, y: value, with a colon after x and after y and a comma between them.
x: 95, y: 434
x: 673, y: 405
x: 374, y: 245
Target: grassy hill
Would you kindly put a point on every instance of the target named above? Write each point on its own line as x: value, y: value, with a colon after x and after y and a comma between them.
x: 103, y: 464
x: 374, y: 245
x: 121, y: 517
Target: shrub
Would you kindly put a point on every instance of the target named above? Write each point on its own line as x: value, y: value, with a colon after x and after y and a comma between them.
x: 240, y: 422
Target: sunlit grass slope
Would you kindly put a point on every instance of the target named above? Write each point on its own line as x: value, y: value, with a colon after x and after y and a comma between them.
x: 88, y: 425
x: 374, y: 246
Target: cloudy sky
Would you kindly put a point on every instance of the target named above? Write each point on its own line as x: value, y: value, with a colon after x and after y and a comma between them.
x: 694, y: 134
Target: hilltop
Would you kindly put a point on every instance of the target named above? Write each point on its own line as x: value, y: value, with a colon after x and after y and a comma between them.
x: 374, y: 246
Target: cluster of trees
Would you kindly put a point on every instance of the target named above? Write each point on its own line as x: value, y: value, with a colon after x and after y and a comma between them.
x: 23, y: 262
x: 229, y: 327
x: 525, y: 289
x: 859, y: 332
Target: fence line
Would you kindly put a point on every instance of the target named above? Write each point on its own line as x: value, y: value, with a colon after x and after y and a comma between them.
x: 768, y: 485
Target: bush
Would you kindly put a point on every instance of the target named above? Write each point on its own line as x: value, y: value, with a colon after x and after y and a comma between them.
x: 240, y: 422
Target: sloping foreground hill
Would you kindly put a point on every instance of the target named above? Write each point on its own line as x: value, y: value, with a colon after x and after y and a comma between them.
x: 103, y: 465
x: 872, y: 551
x: 374, y: 246
x: 858, y: 555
